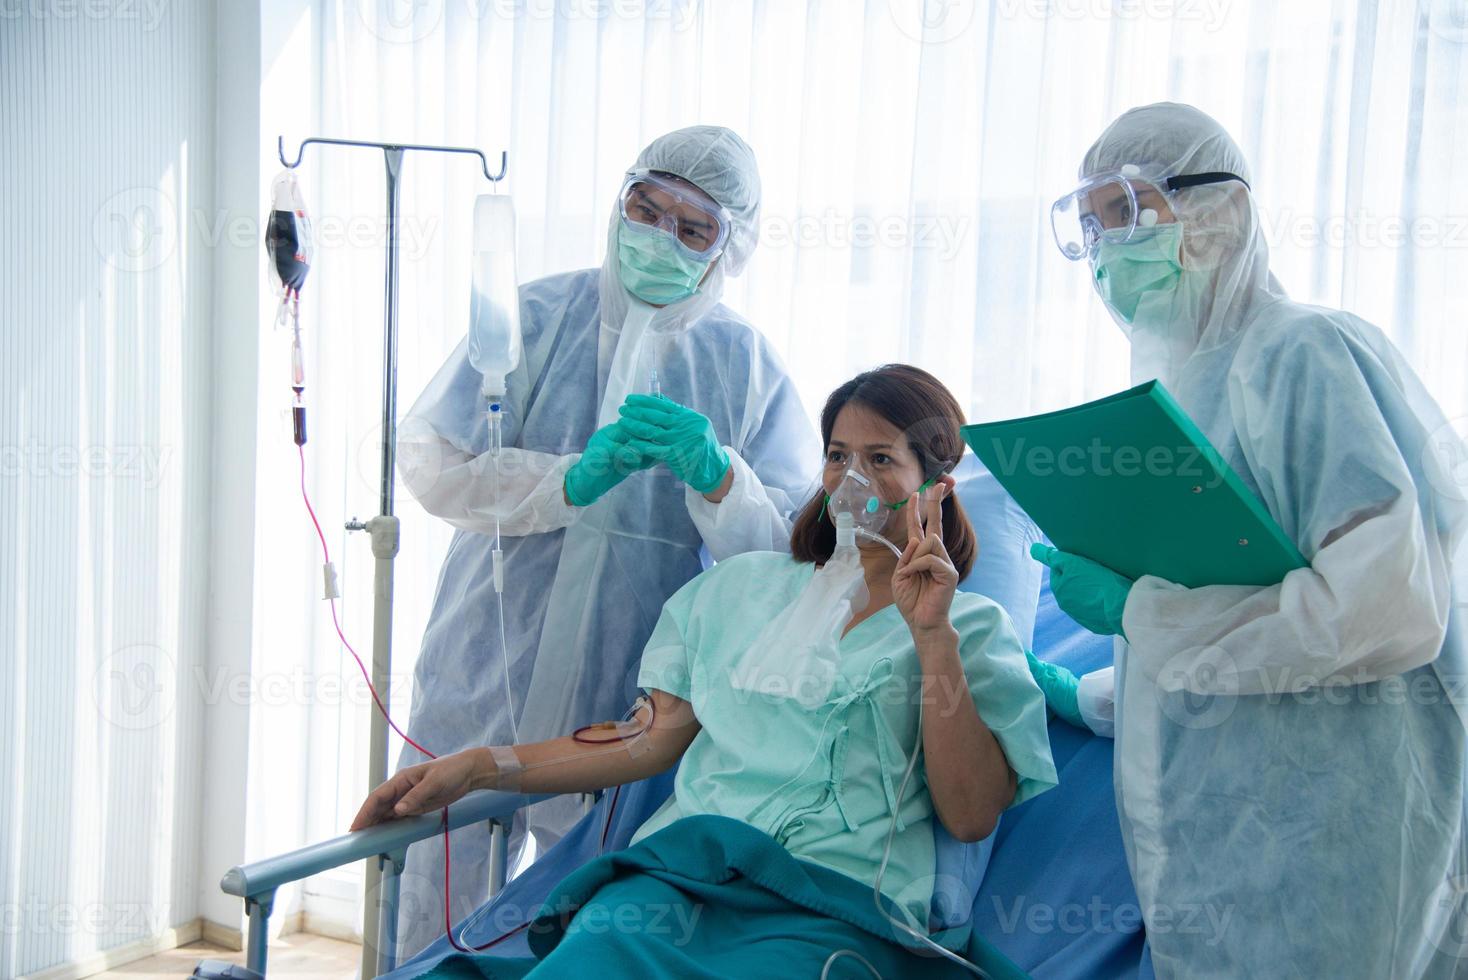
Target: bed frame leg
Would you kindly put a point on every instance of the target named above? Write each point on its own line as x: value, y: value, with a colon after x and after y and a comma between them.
x: 388, y: 892
x: 499, y: 856
x: 258, y: 942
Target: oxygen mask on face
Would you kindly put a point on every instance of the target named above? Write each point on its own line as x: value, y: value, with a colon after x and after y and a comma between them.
x: 858, y: 512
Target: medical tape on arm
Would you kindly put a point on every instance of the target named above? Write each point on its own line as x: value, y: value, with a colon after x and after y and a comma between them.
x: 507, y: 767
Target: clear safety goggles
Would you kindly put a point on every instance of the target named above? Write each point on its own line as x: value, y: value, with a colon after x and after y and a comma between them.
x: 1119, y: 206
x: 698, y: 223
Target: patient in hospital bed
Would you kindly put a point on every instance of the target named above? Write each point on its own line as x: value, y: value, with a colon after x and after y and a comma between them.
x: 827, y: 706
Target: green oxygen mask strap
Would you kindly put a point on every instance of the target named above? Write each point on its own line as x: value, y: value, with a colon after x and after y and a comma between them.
x: 826, y: 498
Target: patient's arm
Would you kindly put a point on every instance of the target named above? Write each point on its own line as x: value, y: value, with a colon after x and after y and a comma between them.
x: 559, y: 765
x: 968, y: 775
x: 967, y: 772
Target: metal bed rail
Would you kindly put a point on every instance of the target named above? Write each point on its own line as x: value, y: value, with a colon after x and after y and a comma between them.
x: 388, y: 843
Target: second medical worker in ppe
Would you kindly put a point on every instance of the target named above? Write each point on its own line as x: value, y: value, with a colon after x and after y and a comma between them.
x: 597, y: 537
x: 1290, y: 760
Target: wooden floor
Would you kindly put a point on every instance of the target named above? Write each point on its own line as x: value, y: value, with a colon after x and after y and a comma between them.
x: 298, y: 955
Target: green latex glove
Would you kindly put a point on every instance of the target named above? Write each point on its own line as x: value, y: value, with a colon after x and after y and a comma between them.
x: 678, y: 436
x: 1091, y: 594
x: 1059, y: 686
x: 610, y: 458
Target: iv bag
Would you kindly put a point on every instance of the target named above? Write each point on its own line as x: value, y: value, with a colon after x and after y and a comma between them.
x: 494, y: 302
x: 288, y: 236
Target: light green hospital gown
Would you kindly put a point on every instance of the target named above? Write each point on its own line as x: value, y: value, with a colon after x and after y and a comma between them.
x: 823, y: 782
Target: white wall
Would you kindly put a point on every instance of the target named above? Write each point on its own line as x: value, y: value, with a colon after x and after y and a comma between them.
x: 260, y: 690
x: 107, y: 124
x: 234, y: 375
x: 143, y: 741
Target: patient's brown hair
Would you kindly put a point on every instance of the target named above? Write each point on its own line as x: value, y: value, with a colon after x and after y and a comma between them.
x: 929, y: 416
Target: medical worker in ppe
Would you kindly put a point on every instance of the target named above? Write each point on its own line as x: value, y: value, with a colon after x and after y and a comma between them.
x: 596, y: 537
x: 1290, y: 760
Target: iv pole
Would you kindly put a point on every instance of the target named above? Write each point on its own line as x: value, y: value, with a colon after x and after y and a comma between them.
x: 383, y: 528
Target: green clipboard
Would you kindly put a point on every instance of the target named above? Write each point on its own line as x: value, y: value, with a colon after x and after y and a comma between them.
x: 1129, y: 481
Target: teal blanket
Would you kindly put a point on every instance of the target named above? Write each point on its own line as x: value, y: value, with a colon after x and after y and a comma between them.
x: 710, y: 897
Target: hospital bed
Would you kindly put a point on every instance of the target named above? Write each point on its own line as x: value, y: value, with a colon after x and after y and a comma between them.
x: 1049, y: 888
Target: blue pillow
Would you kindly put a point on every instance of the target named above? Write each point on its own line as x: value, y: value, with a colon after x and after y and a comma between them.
x: 1006, y: 573
x: 1004, y: 570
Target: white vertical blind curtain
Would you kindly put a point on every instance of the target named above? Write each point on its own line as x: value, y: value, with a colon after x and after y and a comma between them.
x: 107, y: 128
x: 909, y: 152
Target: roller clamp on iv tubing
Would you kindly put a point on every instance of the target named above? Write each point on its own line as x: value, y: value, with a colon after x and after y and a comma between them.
x: 384, y: 528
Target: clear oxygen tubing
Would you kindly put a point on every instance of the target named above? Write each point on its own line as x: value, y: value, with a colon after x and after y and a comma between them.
x: 922, y: 937
x: 831, y: 961
x: 844, y: 537
x: 902, y: 924
x: 866, y: 535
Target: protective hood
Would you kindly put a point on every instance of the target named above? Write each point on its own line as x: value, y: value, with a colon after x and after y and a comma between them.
x: 1225, y: 259
x: 720, y: 164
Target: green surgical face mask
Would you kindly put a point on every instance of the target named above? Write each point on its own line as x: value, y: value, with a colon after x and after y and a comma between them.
x: 1127, y: 271
x: 652, y: 266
